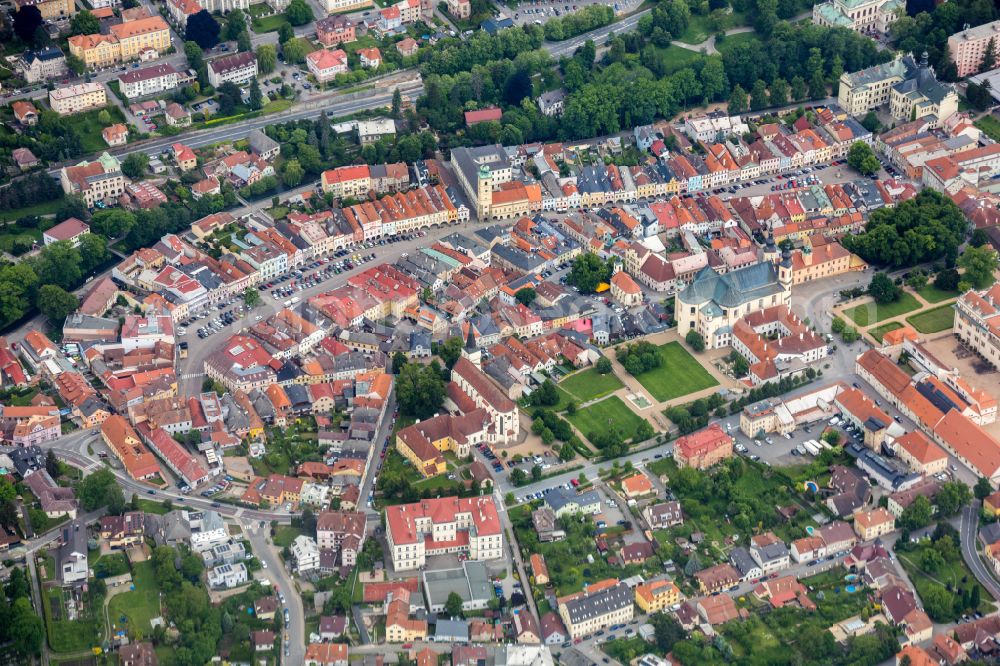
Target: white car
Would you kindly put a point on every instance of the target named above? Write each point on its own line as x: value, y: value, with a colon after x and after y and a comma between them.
x: 263, y: 564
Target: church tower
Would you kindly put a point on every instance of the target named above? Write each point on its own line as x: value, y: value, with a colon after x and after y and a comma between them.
x: 484, y: 192
x: 785, y: 269
x: 471, y: 350
x: 770, y: 250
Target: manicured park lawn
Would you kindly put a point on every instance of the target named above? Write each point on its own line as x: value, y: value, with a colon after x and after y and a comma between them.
x: 605, y: 414
x: 990, y: 125
x: 140, y: 605
x: 870, y: 313
x: 933, y: 321
x: 879, y: 331
x: 680, y: 374
x: 932, y: 294
x: 269, y: 23
x: 590, y: 384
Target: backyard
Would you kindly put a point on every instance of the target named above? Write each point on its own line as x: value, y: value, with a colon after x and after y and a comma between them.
x: 137, y: 606
x: 933, y: 321
x: 82, y: 633
x: 680, y: 374
x: 91, y: 127
x: 603, y: 415
x: 872, y: 313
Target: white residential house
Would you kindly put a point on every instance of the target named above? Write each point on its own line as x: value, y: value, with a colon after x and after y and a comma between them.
x: 305, y: 553
x: 227, y: 576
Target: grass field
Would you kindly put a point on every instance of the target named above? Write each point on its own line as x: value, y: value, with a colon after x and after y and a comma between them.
x: 870, y: 313
x: 680, y: 374
x: 933, y: 321
x: 71, y: 635
x: 952, y: 573
x: 44, y: 208
x: 605, y: 414
x: 91, y: 128
x: 736, y: 40
x: 590, y: 384
x: 677, y: 57
x: 879, y: 331
x: 273, y: 23
x: 932, y: 294
x: 140, y: 605
x: 990, y: 125
x: 284, y: 535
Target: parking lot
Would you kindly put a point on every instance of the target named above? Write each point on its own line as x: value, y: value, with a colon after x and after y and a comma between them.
x: 836, y: 172
x: 539, y: 11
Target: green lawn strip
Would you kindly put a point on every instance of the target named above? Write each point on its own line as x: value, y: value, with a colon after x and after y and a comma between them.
x: 933, y: 321
x: 871, y: 313
x: 679, y: 374
x: 43, y: 208
x: 139, y: 605
x: 879, y: 331
x: 152, y: 506
x: 605, y: 414
x: 590, y: 384
x: 677, y: 57
x: 932, y: 294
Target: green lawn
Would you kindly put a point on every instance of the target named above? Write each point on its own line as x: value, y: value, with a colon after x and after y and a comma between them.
x: 933, y: 321
x: 152, y: 506
x: 269, y: 23
x: 258, y: 10
x: 590, y: 384
x: 72, y: 635
x: 932, y: 294
x: 680, y: 374
x: 879, y: 331
x: 736, y: 40
x: 990, y: 125
x: 870, y: 313
x: 677, y: 57
x: 44, y: 208
x: 138, y: 606
x: 284, y: 535
x: 91, y: 128
x: 952, y: 574
x: 601, y: 416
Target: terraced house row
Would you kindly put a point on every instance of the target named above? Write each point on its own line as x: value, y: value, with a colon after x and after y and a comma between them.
x: 500, y: 179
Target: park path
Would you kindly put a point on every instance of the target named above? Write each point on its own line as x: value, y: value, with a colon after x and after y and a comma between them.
x: 654, y: 412
x: 925, y: 305
x: 708, y: 46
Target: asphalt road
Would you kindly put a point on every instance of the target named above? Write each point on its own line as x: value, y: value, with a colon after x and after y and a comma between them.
x: 598, y: 36
x: 282, y: 581
x: 237, y: 131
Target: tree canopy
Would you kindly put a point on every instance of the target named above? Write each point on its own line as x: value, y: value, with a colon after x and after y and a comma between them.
x: 928, y: 227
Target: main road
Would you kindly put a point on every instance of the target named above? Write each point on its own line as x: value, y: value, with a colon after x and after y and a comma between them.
x: 968, y: 531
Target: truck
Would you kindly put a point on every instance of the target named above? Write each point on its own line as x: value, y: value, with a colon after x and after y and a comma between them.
x: 812, y: 447
x: 823, y: 444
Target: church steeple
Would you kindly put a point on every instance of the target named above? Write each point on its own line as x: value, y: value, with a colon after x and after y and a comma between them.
x: 471, y: 350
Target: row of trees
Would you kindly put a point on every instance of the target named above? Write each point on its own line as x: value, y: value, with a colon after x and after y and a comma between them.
x: 46, y: 279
